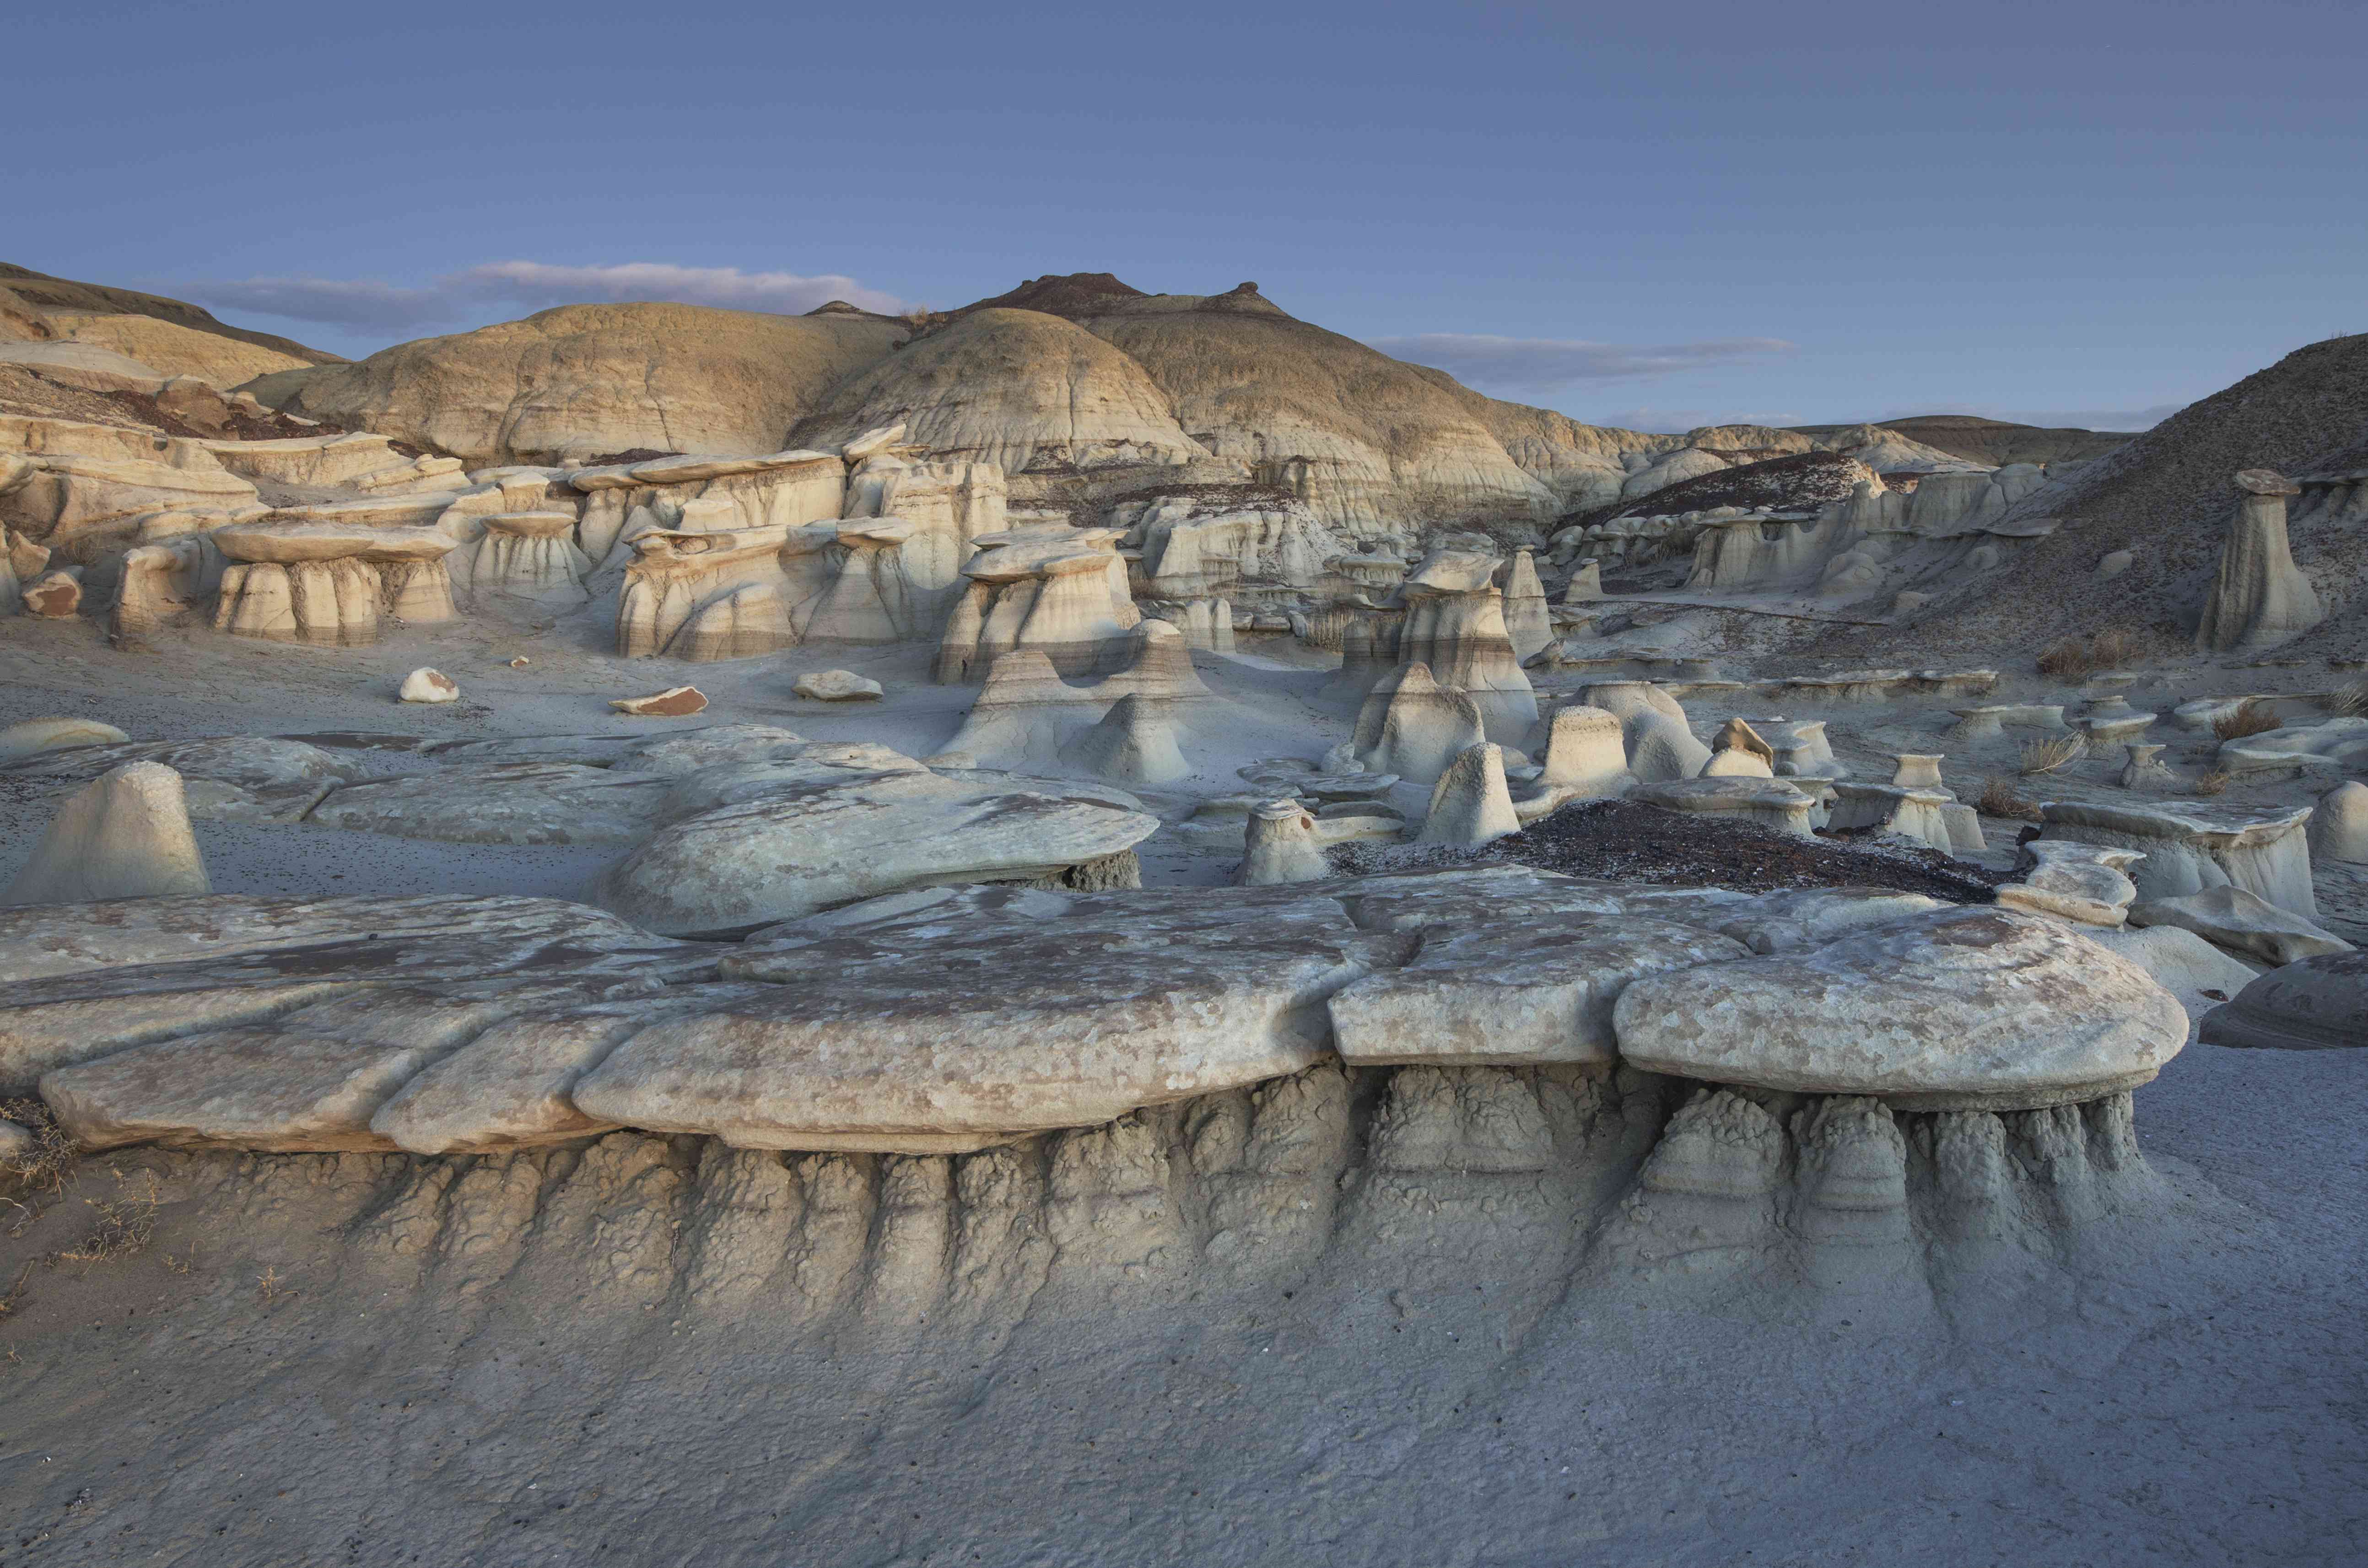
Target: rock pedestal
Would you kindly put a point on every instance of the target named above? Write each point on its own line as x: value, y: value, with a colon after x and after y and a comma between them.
x: 2260, y: 597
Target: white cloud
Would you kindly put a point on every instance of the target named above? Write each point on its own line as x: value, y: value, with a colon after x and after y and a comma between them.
x: 368, y: 304
x: 1536, y: 366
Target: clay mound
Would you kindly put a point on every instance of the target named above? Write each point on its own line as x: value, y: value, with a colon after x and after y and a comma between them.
x: 1018, y: 388
x: 173, y: 336
x: 592, y: 379
x: 2166, y: 497
x: 1999, y: 442
x: 1350, y: 430
x: 1802, y: 482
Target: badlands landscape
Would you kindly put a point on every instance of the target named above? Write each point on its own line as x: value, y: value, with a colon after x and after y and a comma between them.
x: 1109, y: 927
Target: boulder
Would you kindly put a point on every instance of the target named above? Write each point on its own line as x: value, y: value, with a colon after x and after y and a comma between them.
x: 2317, y: 1003
x: 1960, y: 1009
x: 837, y: 685
x: 125, y: 835
x: 2235, y: 918
x: 426, y: 685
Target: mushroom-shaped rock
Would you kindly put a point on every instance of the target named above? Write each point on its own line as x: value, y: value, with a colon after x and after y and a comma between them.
x: 2190, y: 847
x: 2260, y: 597
x: 2235, y: 918
x: 426, y: 685
x: 1514, y: 998
x: 2319, y: 1004
x: 1470, y: 804
x: 1962, y: 1009
x: 1280, y: 844
x: 1917, y: 770
x: 125, y: 834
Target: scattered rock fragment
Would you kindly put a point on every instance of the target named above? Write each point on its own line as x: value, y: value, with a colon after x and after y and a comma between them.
x: 674, y: 702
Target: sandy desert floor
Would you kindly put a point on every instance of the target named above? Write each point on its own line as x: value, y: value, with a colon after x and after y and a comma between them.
x: 284, y: 1375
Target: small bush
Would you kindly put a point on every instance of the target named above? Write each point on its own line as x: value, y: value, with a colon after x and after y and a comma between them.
x: 2107, y: 649
x: 2212, y: 783
x: 41, y: 1167
x: 2350, y: 701
x: 2253, y: 717
x: 125, y: 1223
x: 2000, y: 797
x: 2048, y: 755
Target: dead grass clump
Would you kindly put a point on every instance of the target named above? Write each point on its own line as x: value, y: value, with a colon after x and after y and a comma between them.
x: 40, y: 1167
x: 2212, y: 783
x: 126, y: 1222
x: 2252, y: 717
x: 2107, y: 649
x: 2000, y: 797
x: 2350, y: 701
x: 2051, y: 753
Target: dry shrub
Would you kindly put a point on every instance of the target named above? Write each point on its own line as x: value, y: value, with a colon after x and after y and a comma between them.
x: 41, y: 1167
x: 2001, y: 798
x: 125, y: 1224
x: 2253, y: 717
x: 2107, y: 649
x: 2052, y: 752
x: 2212, y: 783
x: 2350, y: 701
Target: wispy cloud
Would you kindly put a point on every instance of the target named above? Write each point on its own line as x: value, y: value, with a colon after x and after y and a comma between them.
x: 1536, y: 366
x: 368, y: 304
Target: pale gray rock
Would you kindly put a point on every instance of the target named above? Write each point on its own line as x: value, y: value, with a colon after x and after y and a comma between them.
x: 426, y: 685
x: 515, y: 802
x: 2260, y: 597
x: 837, y: 685
x: 1513, y: 998
x: 223, y: 779
x: 125, y: 834
x: 37, y: 735
x: 2084, y: 883
x: 1470, y: 805
x: 1415, y: 727
x: 2235, y: 918
x: 2189, y: 847
x: 1959, y: 1009
x: 1771, y: 803
x: 2339, y: 828
x: 1280, y: 843
x: 809, y: 845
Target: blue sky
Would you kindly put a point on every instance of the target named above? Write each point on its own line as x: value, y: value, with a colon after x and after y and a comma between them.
x: 1658, y: 216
